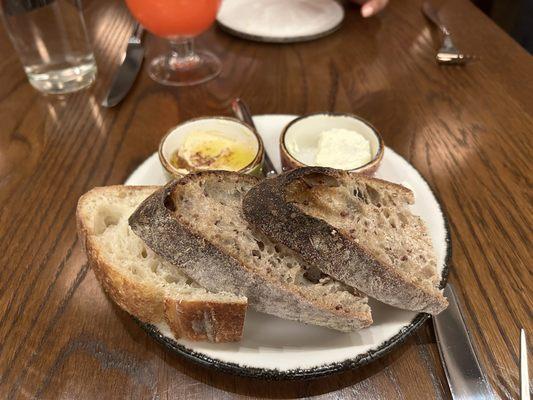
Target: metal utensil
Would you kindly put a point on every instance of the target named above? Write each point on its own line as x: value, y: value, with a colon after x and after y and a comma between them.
x: 128, y: 70
x: 524, y: 371
x: 448, y: 53
x: 463, y: 372
x: 241, y: 111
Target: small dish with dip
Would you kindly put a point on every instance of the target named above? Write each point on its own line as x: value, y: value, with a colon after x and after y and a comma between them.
x: 211, y: 143
x: 341, y: 141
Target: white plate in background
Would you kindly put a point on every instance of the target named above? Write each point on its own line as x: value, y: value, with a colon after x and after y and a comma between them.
x: 280, y: 21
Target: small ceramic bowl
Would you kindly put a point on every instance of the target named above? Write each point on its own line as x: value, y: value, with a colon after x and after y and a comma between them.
x: 303, y: 134
x: 230, y: 127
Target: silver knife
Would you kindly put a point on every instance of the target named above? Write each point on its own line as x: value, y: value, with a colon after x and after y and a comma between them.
x: 128, y: 70
x: 524, y: 371
x: 463, y: 372
x: 241, y: 111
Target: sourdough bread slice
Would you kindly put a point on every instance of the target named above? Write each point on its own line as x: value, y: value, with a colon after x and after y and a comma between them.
x: 197, y: 224
x: 356, y: 229
x: 142, y: 283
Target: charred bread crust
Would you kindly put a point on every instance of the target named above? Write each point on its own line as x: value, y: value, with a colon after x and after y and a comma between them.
x: 266, y: 207
x: 154, y: 221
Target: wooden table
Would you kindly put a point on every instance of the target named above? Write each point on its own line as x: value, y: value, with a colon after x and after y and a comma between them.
x: 467, y: 130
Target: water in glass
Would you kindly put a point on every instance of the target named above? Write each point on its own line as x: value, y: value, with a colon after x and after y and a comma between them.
x: 52, y: 43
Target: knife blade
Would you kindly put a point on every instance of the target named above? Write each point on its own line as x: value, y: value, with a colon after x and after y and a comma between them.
x: 128, y: 70
x: 524, y: 371
x: 242, y: 112
x: 463, y: 372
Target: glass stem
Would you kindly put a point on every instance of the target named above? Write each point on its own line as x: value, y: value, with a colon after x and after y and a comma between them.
x: 182, y: 54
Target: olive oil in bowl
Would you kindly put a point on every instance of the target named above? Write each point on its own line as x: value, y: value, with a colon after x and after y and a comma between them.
x: 214, y: 143
x: 203, y: 150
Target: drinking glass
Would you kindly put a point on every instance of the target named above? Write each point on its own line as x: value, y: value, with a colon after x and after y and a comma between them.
x: 52, y: 43
x: 179, y: 21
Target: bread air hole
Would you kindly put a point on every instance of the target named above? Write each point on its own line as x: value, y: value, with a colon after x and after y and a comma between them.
x: 111, y: 220
x: 359, y: 195
x: 153, y: 266
x: 106, y: 217
x: 320, y: 180
x: 169, y: 203
x: 373, y: 194
x: 313, y: 275
x: 144, y: 253
x: 403, y: 219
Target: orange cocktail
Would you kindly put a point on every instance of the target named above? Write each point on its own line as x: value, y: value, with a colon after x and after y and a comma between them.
x: 175, y: 18
x: 179, y: 21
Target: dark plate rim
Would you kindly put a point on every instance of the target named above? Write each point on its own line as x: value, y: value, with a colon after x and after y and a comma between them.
x: 322, y: 370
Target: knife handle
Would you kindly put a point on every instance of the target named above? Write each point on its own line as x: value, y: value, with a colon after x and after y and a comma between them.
x: 241, y: 110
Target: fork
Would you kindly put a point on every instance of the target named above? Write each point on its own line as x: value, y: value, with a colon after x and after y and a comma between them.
x: 448, y: 53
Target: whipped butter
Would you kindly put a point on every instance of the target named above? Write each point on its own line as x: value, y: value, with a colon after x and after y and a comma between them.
x: 342, y: 149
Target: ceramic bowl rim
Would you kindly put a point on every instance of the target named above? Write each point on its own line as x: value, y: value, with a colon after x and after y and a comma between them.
x: 169, y: 168
x: 376, y: 159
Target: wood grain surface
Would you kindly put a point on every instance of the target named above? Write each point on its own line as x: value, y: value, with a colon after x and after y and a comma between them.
x: 468, y: 130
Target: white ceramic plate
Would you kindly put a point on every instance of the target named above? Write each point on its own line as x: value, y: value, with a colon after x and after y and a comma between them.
x: 275, y: 348
x: 280, y: 21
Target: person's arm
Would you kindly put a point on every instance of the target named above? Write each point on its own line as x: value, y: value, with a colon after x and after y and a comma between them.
x: 371, y: 7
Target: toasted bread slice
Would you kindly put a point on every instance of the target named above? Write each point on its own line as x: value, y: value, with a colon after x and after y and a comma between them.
x: 356, y: 229
x: 197, y: 224
x: 142, y: 283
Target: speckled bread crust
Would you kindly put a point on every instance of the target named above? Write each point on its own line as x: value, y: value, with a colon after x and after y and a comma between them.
x: 158, y: 223
x: 267, y: 207
x: 189, y: 316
